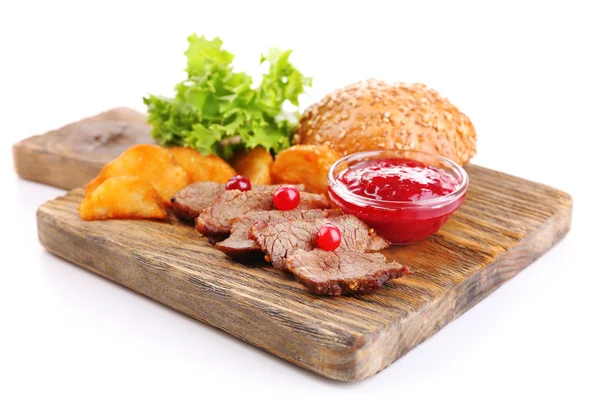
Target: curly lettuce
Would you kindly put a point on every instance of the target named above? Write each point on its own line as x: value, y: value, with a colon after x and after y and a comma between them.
x: 219, y: 111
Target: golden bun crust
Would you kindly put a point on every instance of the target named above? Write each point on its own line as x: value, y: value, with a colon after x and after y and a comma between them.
x: 373, y: 115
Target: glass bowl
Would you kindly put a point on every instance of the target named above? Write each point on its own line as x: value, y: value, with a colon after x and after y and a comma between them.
x: 400, y: 222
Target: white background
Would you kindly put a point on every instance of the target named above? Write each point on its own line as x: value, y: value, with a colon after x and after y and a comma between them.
x: 526, y: 73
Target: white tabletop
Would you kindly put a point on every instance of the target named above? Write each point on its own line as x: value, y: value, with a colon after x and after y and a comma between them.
x: 526, y: 75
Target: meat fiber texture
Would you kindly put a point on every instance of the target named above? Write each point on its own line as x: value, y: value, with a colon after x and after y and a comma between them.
x: 189, y: 202
x: 342, y: 271
x: 238, y: 245
x: 219, y: 217
x: 281, y: 238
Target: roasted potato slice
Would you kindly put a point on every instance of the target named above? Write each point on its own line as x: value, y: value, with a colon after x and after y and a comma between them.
x: 255, y: 165
x: 152, y: 163
x: 305, y: 163
x: 123, y: 197
x: 202, y: 168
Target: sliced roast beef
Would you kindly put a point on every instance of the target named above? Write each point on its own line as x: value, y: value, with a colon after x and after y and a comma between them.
x: 218, y: 218
x: 281, y: 238
x: 189, y: 201
x: 343, y: 271
x: 239, y: 245
x: 192, y: 199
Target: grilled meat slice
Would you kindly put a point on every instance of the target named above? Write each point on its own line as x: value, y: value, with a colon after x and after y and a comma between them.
x: 343, y: 271
x: 239, y: 245
x: 218, y: 218
x: 189, y: 202
x: 281, y: 238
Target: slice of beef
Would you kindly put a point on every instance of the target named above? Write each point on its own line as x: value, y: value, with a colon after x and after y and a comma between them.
x: 342, y: 272
x: 280, y: 238
x: 189, y: 202
x: 239, y: 245
x: 218, y: 218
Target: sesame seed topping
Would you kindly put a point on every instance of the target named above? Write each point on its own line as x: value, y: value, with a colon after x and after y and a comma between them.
x: 420, y: 118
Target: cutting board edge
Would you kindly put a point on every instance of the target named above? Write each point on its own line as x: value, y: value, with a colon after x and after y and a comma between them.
x: 26, y: 155
x: 34, y: 158
x: 343, y: 355
x: 504, y: 268
x: 360, y: 361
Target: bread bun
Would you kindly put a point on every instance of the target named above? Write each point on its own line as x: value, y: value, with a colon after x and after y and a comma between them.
x: 373, y: 115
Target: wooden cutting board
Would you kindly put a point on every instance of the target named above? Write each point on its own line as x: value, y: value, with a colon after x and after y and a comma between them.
x: 71, y: 156
x: 505, y: 224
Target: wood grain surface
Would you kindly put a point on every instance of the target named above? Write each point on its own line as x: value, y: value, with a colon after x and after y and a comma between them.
x: 71, y: 156
x: 505, y: 224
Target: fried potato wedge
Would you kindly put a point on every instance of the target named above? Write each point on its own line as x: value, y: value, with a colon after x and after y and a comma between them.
x: 123, y: 197
x: 306, y: 164
x: 152, y: 163
x: 202, y: 168
x: 255, y: 165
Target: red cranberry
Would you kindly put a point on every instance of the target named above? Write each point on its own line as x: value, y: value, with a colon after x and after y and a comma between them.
x: 238, y: 182
x: 329, y: 237
x: 286, y: 197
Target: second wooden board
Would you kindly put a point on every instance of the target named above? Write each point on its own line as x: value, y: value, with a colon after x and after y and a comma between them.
x: 69, y: 157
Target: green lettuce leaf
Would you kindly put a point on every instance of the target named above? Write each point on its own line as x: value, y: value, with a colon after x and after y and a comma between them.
x: 218, y: 111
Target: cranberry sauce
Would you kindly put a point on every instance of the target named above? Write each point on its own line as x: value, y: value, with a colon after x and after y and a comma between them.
x: 397, y: 180
x: 397, y: 197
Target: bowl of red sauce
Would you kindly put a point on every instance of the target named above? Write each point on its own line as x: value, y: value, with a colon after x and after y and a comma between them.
x: 405, y: 195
